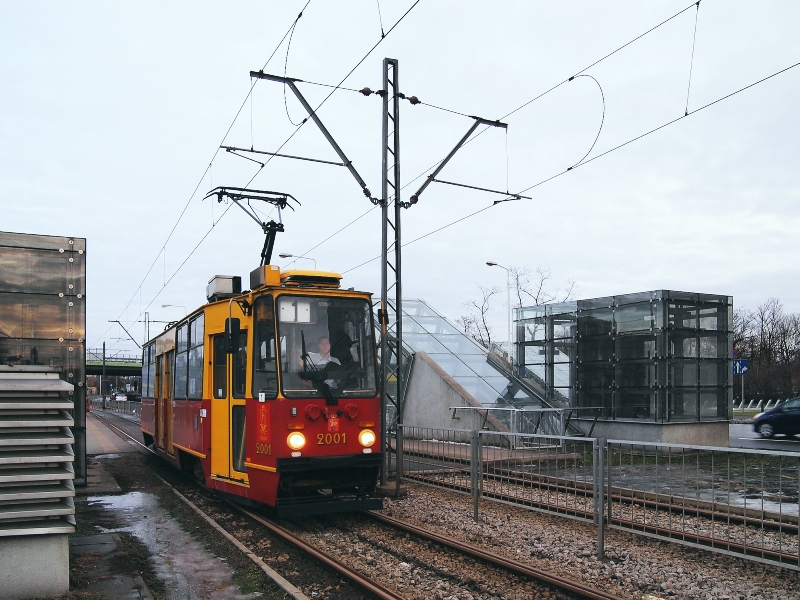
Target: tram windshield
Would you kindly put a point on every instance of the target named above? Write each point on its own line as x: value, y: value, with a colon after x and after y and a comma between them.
x: 326, y: 347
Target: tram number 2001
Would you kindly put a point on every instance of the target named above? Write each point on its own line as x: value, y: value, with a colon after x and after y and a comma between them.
x: 331, y: 438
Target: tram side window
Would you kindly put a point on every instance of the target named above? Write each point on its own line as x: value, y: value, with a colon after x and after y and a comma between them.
x: 151, y: 372
x: 196, y: 333
x: 240, y: 367
x: 147, y: 352
x: 220, y: 368
x: 265, y: 372
x: 181, y: 362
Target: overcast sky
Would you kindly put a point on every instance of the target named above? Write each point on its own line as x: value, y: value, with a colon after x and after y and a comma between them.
x: 111, y: 113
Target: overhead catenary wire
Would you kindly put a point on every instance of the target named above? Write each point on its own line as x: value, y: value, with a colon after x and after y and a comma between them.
x: 602, y: 119
x: 372, y: 49
x: 185, y: 260
x: 380, y: 18
x: 336, y: 87
x: 206, y: 171
x: 423, y: 236
x: 558, y: 85
x: 690, y: 113
x: 691, y: 62
x: 527, y: 103
x: 571, y: 169
x: 285, y: 67
x: 341, y: 229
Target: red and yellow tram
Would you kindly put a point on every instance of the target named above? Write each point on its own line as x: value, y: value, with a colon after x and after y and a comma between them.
x: 270, y: 396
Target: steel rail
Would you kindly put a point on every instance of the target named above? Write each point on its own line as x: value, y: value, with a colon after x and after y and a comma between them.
x: 700, y: 541
x: 369, y: 585
x: 560, y: 484
x: 561, y: 583
x: 662, y: 533
x: 647, y: 500
x: 382, y: 592
x: 123, y: 432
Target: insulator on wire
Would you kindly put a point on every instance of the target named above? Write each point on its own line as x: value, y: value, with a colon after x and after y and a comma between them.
x: 414, y: 100
x: 366, y: 91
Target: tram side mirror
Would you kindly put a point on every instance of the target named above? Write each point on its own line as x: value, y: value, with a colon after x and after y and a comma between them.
x: 231, y: 335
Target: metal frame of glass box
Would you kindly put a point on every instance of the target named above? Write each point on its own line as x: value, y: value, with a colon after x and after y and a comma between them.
x: 659, y: 356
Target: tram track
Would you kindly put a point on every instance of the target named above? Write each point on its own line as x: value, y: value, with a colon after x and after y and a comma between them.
x: 703, y: 541
x: 651, y: 500
x: 424, y: 554
x: 369, y: 584
x: 561, y: 583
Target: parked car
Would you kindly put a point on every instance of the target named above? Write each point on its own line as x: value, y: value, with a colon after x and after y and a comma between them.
x: 784, y: 418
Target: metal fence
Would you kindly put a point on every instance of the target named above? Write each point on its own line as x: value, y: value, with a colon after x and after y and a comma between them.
x: 754, y: 404
x: 735, y: 501
x: 128, y: 407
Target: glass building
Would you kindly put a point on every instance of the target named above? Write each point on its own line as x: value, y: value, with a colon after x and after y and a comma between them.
x: 660, y: 356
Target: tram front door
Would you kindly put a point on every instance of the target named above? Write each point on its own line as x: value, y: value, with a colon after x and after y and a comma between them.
x: 164, y: 402
x: 228, y: 410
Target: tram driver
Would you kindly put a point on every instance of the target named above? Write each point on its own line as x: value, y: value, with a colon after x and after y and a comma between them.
x: 317, y: 361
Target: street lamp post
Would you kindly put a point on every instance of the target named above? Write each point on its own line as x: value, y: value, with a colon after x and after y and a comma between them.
x: 295, y: 257
x: 508, y: 295
x: 185, y: 312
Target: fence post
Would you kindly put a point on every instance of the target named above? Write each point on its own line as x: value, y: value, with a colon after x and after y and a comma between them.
x: 474, y: 474
x: 398, y: 457
x: 601, y: 542
x: 595, y: 478
x: 610, y: 464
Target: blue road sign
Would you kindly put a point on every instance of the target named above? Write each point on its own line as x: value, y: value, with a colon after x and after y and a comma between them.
x: 740, y: 366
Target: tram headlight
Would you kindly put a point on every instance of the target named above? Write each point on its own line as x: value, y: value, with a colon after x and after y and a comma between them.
x: 296, y: 440
x: 366, y: 438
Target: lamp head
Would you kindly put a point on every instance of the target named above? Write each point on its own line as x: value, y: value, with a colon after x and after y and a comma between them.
x: 491, y: 264
x: 285, y: 255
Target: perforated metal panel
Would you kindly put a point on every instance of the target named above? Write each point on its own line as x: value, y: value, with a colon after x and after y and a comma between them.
x: 36, y: 456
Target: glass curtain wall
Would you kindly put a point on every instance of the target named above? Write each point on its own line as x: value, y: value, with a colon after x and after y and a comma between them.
x: 461, y: 357
x: 653, y: 356
x: 546, y: 345
x: 43, y: 314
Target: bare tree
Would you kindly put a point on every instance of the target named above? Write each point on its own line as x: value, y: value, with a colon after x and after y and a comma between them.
x: 475, y: 323
x: 534, y: 288
x: 770, y: 338
x: 527, y: 288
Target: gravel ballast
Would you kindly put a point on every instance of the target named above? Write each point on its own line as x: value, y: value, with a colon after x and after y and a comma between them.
x: 634, y: 565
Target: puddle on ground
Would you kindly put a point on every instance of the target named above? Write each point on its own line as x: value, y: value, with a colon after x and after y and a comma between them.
x: 186, y: 568
x: 104, y: 456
